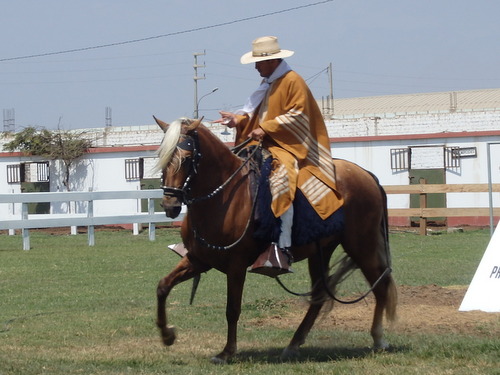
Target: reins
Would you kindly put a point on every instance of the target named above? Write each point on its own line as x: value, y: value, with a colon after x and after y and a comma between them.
x: 230, y: 178
x: 183, y: 192
x: 331, y: 294
x: 202, y: 240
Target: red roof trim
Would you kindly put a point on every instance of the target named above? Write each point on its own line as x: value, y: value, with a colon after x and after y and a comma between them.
x: 488, y: 133
x: 98, y: 150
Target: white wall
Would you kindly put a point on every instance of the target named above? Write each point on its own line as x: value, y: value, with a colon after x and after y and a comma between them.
x: 375, y: 156
x: 105, y: 171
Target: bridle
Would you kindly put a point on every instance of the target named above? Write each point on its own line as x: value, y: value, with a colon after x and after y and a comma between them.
x: 191, y: 143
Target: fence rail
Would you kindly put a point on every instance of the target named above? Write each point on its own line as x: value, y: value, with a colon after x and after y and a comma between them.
x: 424, y: 212
x: 26, y: 222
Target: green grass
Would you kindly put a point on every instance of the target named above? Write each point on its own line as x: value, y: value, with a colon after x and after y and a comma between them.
x: 66, y: 308
x: 442, y: 259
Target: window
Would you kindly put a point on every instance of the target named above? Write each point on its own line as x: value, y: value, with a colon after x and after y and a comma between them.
x: 28, y: 172
x: 134, y: 169
x: 452, y: 159
x: 399, y: 159
x: 14, y: 173
x: 42, y: 172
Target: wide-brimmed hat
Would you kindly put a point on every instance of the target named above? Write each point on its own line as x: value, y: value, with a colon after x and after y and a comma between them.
x: 265, y: 48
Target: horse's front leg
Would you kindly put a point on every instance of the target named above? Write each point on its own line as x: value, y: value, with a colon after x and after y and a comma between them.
x: 235, y: 282
x: 184, y: 270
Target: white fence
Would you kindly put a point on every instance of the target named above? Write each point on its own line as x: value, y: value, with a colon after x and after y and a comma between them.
x: 25, y: 221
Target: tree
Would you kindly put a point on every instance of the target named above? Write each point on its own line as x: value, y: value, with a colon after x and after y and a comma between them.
x: 63, y: 145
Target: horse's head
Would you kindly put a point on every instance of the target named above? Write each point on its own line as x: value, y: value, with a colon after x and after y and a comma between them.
x: 177, y: 159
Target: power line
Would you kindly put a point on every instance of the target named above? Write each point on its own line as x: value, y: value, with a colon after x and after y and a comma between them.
x: 163, y: 35
x: 313, y: 78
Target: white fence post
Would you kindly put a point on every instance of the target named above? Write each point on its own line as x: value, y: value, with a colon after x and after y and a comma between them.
x: 26, y: 231
x: 12, y: 232
x: 90, y: 229
x: 152, y: 227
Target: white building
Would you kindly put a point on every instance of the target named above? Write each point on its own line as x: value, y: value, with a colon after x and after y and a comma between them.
x: 442, y: 137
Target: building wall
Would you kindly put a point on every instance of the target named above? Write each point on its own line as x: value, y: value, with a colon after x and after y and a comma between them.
x: 423, y: 123
x: 366, y: 141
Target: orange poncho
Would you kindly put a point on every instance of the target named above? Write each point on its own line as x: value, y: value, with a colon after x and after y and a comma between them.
x: 298, y: 140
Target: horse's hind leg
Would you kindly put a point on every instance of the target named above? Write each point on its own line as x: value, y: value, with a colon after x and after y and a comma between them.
x: 376, y: 269
x: 184, y: 270
x: 317, y: 302
x: 386, y: 299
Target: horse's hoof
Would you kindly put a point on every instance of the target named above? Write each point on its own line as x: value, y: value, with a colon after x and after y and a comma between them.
x: 218, y: 361
x: 168, y: 335
x: 290, y: 354
x: 380, y: 346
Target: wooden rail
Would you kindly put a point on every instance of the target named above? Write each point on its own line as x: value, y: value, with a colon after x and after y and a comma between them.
x: 424, y: 212
x: 440, y: 188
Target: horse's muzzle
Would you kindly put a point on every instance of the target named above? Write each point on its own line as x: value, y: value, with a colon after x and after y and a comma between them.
x: 171, y: 206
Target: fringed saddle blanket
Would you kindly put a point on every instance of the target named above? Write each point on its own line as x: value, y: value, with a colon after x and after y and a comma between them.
x: 307, y: 227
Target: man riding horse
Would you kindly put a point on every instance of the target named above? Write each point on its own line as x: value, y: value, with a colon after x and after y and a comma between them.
x: 283, y: 114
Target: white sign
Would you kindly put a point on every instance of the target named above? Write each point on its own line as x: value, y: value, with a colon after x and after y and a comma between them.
x: 484, y: 290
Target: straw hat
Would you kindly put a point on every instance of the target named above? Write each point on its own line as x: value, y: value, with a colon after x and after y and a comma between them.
x: 265, y: 48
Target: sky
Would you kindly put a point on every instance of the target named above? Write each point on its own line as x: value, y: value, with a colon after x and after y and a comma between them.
x: 63, y: 62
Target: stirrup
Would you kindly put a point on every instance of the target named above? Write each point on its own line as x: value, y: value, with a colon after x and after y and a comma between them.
x: 179, y: 249
x: 272, y: 262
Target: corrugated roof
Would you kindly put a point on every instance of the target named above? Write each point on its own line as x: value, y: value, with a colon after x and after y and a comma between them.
x: 470, y: 100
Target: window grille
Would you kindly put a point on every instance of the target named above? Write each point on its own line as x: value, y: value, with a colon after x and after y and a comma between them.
x: 452, y: 159
x: 14, y: 173
x: 42, y: 172
x: 134, y: 169
x: 400, y: 159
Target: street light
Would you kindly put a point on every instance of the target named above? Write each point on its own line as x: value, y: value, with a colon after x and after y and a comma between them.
x: 195, y: 114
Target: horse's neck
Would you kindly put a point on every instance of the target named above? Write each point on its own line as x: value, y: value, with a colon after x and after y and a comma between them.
x: 217, y: 163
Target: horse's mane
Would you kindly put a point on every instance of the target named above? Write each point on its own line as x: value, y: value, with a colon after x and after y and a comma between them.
x: 166, y: 152
x: 169, y: 144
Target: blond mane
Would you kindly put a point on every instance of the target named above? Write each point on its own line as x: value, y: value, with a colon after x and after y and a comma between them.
x: 168, y: 144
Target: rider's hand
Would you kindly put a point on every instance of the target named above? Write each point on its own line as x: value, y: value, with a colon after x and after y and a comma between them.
x: 257, y: 134
x: 227, y: 118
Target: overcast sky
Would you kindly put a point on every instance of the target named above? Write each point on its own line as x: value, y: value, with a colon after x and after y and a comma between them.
x: 136, y: 57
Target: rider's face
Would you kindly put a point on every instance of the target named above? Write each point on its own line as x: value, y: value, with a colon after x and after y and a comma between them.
x: 267, y: 67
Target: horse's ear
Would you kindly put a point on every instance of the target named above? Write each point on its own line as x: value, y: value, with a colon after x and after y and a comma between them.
x: 163, y: 125
x: 194, y: 124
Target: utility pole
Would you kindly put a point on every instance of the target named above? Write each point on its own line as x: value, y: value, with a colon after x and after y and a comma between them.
x: 108, y: 116
x: 330, y: 78
x: 196, y: 78
x: 9, y: 122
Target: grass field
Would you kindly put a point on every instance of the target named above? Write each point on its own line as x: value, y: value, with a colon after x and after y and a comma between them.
x: 66, y: 308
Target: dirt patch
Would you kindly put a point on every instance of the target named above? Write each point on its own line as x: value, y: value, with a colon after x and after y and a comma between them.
x: 421, y: 309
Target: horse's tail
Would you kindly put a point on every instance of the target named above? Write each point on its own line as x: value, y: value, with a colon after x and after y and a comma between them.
x: 392, y: 294
x: 392, y: 300
x: 384, y: 224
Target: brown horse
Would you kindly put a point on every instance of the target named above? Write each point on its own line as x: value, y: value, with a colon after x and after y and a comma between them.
x: 200, y: 171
